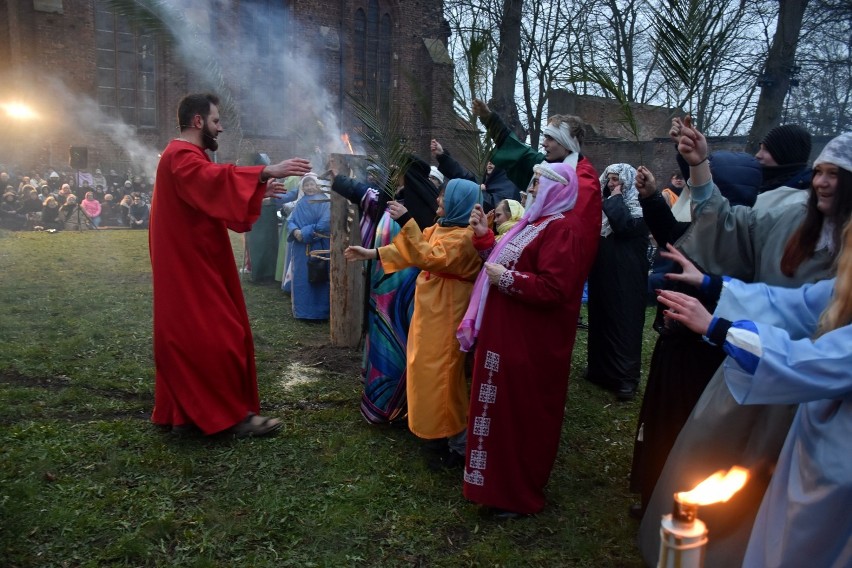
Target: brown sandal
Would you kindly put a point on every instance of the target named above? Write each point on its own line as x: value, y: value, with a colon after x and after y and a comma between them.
x: 255, y: 426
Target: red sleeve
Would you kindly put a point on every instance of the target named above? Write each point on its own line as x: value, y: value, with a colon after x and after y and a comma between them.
x: 223, y: 191
x: 484, y: 242
x: 558, y: 264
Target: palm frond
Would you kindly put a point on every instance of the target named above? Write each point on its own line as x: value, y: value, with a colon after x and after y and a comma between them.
x: 604, y: 80
x: 382, y: 132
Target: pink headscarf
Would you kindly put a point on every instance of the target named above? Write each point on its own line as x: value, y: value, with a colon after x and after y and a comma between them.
x: 557, y: 193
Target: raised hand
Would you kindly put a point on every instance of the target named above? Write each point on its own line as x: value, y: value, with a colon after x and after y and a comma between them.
x: 436, y: 148
x: 645, y: 182
x: 686, y: 309
x: 674, y: 131
x: 692, y: 144
x: 690, y: 275
x: 478, y: 220
x: 481, y: 109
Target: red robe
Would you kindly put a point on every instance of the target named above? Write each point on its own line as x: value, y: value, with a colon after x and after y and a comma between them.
x: 523, y: 357
x: 203, y: 347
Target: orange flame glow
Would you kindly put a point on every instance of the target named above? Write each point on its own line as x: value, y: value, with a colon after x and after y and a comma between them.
x: 345, y: 138
x: 719, y: 487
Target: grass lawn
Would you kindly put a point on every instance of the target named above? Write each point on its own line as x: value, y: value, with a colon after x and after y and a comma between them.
x: 86, y: 480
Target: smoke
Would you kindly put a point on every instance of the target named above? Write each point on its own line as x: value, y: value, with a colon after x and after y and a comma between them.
x: 275, y: 80
x: 87, y: 117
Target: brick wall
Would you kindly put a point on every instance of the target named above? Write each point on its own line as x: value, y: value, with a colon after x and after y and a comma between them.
x: 47, y: 43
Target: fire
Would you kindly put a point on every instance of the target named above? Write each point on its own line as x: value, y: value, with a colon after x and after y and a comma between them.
x: 719, y: 487
x: 345, y: 138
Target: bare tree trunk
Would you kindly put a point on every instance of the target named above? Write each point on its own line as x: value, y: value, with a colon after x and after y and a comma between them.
x: 503, y: 92
x: 776, y: 74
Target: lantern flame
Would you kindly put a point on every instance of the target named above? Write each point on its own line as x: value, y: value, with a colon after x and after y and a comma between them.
x: 345, y: 138
x: 719, y: 487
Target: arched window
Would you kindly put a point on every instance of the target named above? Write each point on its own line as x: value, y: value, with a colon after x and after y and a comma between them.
x: 373, y: 52
x: 126, y: 69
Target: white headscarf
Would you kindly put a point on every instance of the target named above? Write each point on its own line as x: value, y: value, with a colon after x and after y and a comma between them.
x: 627, y: 175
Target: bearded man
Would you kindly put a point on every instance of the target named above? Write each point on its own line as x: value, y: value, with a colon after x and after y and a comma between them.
x: 203, y: 347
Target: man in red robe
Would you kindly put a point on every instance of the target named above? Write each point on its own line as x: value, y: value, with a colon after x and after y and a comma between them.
x: 203, y: 347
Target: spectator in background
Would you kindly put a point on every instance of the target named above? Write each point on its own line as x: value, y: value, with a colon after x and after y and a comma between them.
x: 109, y: 211
x: 436, y: 177
x: 672, y: 191
x: 92, y: 207
x: 50, y: 214
x: 495, y: 186
x: 138, y: 214
x: 9, y: 216
x: 124, y: 211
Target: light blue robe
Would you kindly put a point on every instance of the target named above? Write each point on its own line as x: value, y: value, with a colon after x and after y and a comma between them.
x: 312, y: 216
x: 804, y: 519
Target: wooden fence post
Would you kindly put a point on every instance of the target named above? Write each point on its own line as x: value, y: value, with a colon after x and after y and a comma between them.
x: 347, y: 278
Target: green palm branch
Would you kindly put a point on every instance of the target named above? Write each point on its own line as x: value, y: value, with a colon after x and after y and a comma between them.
x: 382, y: 132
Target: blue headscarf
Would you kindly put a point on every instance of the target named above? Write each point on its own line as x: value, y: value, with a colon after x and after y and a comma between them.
x: 459, y: 198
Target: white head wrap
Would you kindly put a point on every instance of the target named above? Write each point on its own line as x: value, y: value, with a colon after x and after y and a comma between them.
x: 435, y: 173
x: 627, y: 174
x: 838, y: 151
x: 562, y: 134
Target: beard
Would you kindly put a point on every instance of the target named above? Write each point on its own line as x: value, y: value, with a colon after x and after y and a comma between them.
x: 208, y: 139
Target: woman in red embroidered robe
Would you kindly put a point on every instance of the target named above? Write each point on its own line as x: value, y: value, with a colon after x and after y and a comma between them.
x: 532, y: 285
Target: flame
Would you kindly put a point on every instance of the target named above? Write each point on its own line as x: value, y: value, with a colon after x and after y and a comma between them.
x: 345, y: 138
x: 719, y: 487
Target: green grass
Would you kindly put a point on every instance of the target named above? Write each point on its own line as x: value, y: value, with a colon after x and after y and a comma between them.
x: 86, y: 480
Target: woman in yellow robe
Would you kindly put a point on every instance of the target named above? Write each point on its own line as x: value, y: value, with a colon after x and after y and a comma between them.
x: 436, y: 387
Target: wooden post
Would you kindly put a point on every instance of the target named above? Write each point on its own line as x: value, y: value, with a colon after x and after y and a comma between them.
x: 347, y: 278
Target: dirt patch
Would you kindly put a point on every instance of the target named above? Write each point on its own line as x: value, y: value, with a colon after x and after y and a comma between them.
x: 344, y: 360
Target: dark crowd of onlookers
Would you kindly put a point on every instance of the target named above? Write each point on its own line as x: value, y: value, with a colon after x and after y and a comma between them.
x: 73, y: 201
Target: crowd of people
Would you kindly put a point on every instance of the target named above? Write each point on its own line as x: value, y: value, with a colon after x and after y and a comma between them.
x: 753, y: 281
x: 73, y: 200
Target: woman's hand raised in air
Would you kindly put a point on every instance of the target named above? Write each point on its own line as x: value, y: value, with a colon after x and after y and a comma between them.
x: 478, y: 220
